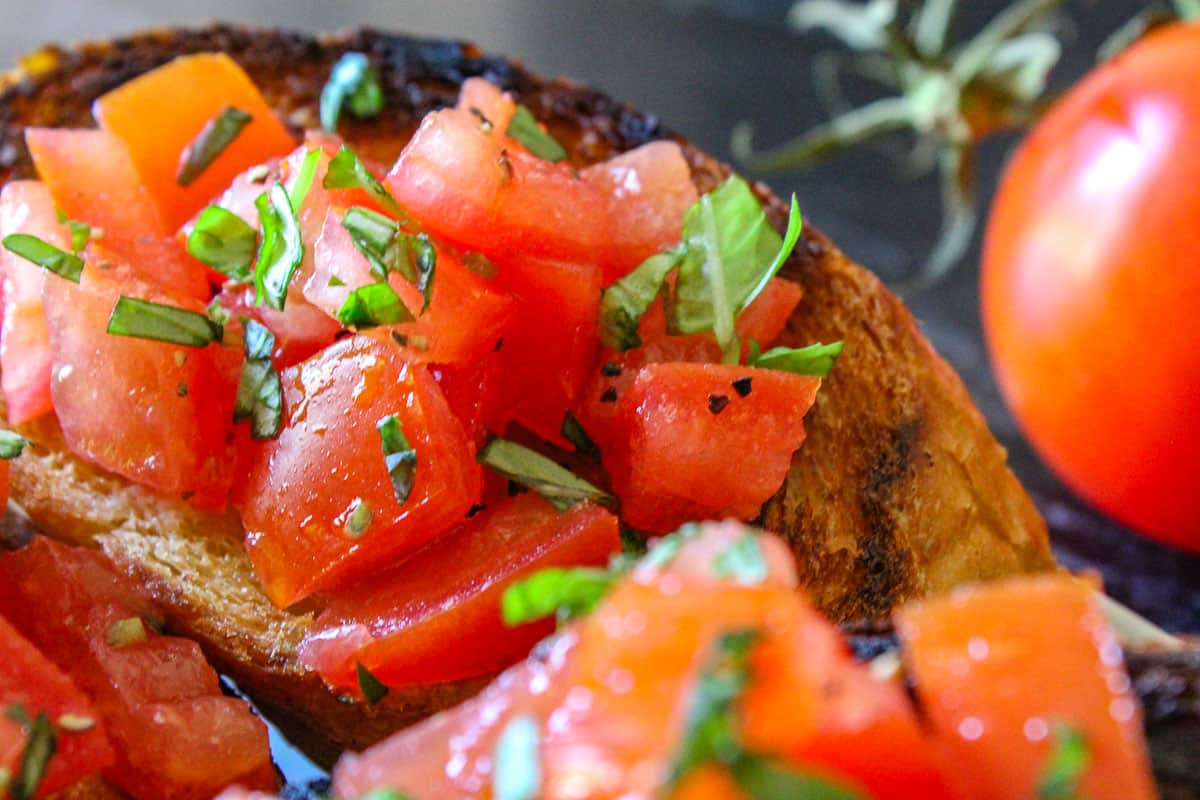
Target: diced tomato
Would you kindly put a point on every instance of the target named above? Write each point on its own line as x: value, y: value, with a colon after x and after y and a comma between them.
x: 153, y: 412
x: 647, y: 190
x: 436, y: 617
x: 301, y: 329
x: 458, y: 294
x: 302, y: 488
x: 695, y: 558
x: 91, y: 178
x: 1001, y: 666
x: 496, y: 106
x: 415, y: 760
x: 175, y: 734
x: 473, y: 392
x: 26, y: 207
x: 159, y: 113
x: 682, y: 432
x: 551, y: 342
x: 30, y: 682
x: 767, y: 317
x: 475, y: 187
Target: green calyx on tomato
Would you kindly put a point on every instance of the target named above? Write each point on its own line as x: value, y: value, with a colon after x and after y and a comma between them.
x: 216, y: 135
x: 727, y: 255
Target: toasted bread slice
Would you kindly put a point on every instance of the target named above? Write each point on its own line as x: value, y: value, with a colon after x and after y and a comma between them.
x: 899, y: 490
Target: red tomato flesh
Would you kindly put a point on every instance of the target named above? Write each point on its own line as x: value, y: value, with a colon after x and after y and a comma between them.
x: 175, y: 734
x: 153, y: 412
x: 91, y: 178
x: 301, y: 488
x: 998, y: 666
x: 647, y: 190
x: 470, y: 184
x: 29, y: 681
x: 682, y: 431
x: 436, y: 617
x: 26, y: 207
x: 159, y: 113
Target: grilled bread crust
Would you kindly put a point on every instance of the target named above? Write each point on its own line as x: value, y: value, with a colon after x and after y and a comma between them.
x: 899, y: 491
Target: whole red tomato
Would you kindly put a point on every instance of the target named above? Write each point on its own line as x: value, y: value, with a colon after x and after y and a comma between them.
x: 1091, y: 286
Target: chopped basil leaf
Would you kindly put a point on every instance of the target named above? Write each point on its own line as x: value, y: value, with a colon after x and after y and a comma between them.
x: 743, y: 562
x: 1068, y: 760
x: 40, y: 746
x: 11, y: 444
x: 372, y: 305
x: 347, y: 171
x: 816, y: 359
x: 480, y: 264
x: 80, y: 233
x: 567, y: 592
x: 767, y: 779
x: 259, y: 392
x: 217, y: 134
x: 334, y: 280
x: 217, y: 312
x: 375, y: 237
x: 304, y: 177
x: 45, y: 255
x: 517, y: 762
x: 281, y: 249
x: 572, y: 430
x: 223, y: 241
x: 359, y: 519
x: 533, y: 470
x: 372, y: 688
x: 424, y: 259
x: 353, y: 84
x: 144, y: 319
x: 710, y: 730
x: 399, y: 456
x: 624, y: 302
x: 728, y: 254
x: 385, y: 794
x: 525, y: 129
x: 732, y: 251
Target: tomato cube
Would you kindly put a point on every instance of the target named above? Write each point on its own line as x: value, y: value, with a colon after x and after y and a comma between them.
x: 159, y: 113
x: 1002, y: 669
x: 704, y: 441
x: 91, y: 178
x: 153, y: 412
x: 303, y: 496
x: 436, y: 617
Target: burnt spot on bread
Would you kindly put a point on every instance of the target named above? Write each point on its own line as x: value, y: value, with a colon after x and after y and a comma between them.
x: 883, y: 563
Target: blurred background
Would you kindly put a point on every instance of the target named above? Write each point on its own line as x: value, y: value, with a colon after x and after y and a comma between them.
x: 702, y: 66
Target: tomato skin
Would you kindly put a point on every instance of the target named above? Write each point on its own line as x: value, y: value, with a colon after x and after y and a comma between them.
x: 1089, y: 287
x: 996, y: 665
x: 175, y: 735
x: 647, y: 191
x: 678, y: 434
x: 436, y: 617
x: 32, y: 682
x: 92, y: 179
x: 155, y: 119
x: 26, y: 207
x: 119, y: 399
x: 299, y: 489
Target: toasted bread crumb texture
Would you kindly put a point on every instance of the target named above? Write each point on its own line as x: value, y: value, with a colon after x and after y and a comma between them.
x: 900, y: 490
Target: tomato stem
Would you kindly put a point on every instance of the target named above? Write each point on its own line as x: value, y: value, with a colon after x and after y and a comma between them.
x: 951, y: 96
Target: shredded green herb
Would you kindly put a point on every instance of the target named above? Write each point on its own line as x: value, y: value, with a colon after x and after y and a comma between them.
x: 815, y: 359
x: 352, y: 84
x: 562, y: 591
x: 572, y: 430
x: 281, y: 249
x: 399, y: 456
x: 347, y: 171
x: 11, y: 444
x: 1068, y: 761
x: 373, y: 305
x: 144, y: 319
x: 304, y: 177
x: 744, y: 562
x: 41, y: 743
x: 45, y: 255
x: 224, y: 241
x: 534, y: 471
x: 216, y: 135
x: 372, y: 688
x: 518, y: 769
x: 259, y: 392
x: 524, y: 128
